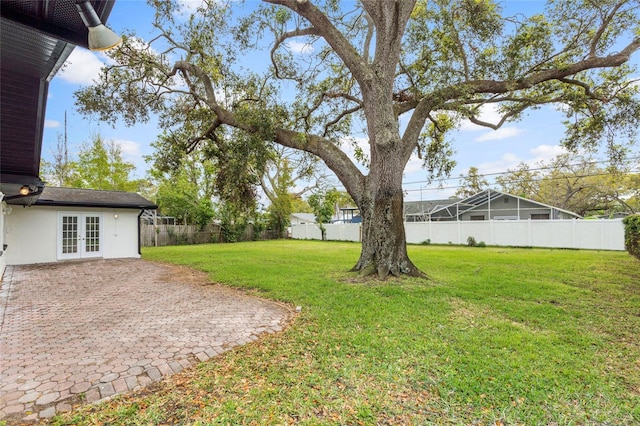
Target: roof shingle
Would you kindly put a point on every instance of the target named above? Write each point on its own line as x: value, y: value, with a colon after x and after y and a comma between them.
x: 52, y: 196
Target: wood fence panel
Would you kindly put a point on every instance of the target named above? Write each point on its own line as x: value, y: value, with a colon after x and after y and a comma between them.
x: 169, y: 235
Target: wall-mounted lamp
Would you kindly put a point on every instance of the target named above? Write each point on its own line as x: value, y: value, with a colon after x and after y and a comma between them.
x: 115, y: 216
x: 100, y: 37
x: 24, y: 190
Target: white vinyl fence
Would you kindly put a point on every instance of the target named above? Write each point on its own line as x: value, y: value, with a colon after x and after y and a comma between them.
x: 574, y: 234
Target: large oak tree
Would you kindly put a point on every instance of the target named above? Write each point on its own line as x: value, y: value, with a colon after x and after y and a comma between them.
x: 409, y: 71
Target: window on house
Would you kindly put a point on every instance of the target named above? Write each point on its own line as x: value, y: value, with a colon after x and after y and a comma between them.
x: 506, y: 200
x: 539, y: 216
x: 477, y: 217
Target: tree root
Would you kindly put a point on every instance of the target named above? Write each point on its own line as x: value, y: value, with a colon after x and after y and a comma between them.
x: 383, y: 272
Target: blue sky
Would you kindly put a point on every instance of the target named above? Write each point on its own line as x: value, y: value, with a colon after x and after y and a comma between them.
x: 535, y: 138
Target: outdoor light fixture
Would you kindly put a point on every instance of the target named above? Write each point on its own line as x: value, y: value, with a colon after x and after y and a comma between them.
x: 100, y: 37
x: 24, y: 190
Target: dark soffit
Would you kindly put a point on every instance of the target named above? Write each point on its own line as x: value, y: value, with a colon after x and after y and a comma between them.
x: 36, y: 37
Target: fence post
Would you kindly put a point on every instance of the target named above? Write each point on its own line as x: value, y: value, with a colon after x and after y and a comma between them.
x: 491, y: 237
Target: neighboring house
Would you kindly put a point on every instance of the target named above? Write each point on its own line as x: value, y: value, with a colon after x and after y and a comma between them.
x: 302, y: 218
x: 489, y: 205
x: 69, y: 223
x: 347, y: 215
x: 151, y: 217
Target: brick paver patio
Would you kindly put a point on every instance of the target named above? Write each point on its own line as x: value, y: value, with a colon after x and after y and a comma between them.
x: 84, y: 331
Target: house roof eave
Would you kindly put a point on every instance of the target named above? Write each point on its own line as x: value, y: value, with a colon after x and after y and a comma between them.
x: 44, y: 203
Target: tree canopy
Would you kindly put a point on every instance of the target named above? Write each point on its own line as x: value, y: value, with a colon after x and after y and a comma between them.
x: 472, y: 183
x: 186, y: 192
x: 228, y: 80
x: 99, y: 165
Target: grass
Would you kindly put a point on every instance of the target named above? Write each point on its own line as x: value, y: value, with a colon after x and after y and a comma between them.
x: 497, y: 336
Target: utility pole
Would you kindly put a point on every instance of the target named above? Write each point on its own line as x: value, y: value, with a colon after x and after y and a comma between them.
x: 66, y: 151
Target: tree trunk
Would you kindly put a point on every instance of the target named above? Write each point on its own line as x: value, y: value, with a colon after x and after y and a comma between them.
x: 384, y: 248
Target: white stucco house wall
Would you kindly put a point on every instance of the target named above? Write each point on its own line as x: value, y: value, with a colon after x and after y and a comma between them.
x: 68, y: 223
x: 302, y: 218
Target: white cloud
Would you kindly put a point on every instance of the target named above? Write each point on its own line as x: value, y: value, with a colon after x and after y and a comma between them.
x: 545, y: 153
x: 505, y: 162
x: 82, y: 67
x: 129, y: 148
x: 301, y: 48
x: 501, y: 133
x: 512, y: 161
x: 414, y: 165
x: 51, y: 124
x: 139, y: 44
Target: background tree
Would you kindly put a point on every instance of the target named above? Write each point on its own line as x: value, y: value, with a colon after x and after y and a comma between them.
x: 281, y: 207
x: 278, y: 182
x: 521, y: 181
x: 323, y: 204
x: 576, y: 183
x: 99, y: 165
x: 186, y: 192
x: 435, y: 63
x: 234, y: 220
x: 299, y: 205
x: 471, y: 183
x: 58, y: 171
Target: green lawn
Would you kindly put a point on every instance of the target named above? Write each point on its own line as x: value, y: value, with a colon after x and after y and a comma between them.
x: 498, y: 335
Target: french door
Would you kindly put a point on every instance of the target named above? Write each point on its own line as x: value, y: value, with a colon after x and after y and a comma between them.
x: 79, y: 235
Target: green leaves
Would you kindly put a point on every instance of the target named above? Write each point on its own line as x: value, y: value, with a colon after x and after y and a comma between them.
x: 472, y: 183
x: 100, y: 166
x: 632, y: 234
x: 185, y: 191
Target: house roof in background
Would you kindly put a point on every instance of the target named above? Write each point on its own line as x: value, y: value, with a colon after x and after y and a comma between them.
x: 427, y: 206
x: 483, y: 197
x: 309, y: 217
x: 76, y: 197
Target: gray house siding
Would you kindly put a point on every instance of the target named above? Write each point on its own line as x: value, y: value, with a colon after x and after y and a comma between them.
x: 508, y: 207
x: 489, y: 205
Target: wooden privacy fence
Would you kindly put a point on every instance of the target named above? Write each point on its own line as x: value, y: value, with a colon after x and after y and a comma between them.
x: 172, y: 235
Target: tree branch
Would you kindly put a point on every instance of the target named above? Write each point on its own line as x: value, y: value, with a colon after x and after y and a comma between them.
x: 369, y: 37
x: 338, y: 161
x: 340, y: 117
x: 325, y: 28
x: 333, y: 157
x: 605, y: 22
x: 585, y: 87
x: 468, y: 89
x: 299, y: 32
